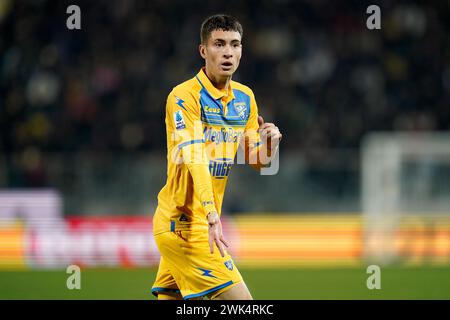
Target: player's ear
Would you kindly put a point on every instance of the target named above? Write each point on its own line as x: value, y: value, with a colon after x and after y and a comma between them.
x: 202, y: 50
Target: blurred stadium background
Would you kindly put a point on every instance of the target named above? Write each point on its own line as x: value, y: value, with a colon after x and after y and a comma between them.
x: 364, y: 167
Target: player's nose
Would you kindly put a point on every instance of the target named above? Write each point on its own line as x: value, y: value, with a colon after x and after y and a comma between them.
x: 228, y: 53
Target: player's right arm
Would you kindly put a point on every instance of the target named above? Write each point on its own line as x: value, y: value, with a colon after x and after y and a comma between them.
x: 189, y: 147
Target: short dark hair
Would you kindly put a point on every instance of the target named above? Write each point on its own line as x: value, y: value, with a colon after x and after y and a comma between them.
x: 219, y: 22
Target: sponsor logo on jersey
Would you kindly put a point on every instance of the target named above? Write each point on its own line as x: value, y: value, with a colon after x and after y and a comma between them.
x: 223, y: 135
x: 209, y: 109
x: 220, y: 168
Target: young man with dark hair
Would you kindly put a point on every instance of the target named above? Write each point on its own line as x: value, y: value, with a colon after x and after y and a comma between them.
x: 207, y: 118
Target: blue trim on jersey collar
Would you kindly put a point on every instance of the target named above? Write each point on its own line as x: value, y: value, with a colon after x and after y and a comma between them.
x: 212, y: 91
x: 200, y: 83
x: 196, y: 295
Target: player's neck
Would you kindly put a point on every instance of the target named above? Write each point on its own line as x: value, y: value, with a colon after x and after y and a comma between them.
x: 218, y: 82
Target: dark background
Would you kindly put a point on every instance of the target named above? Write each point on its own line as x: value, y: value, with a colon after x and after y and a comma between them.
x: 316, y: 70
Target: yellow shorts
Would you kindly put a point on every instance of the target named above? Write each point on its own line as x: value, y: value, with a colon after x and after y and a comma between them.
x: 188, y: 267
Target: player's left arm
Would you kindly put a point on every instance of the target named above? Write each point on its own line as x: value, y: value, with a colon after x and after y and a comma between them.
x: 261, y: 139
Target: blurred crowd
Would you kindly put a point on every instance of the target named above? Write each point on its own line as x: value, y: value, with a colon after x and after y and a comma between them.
x: 317, y: 72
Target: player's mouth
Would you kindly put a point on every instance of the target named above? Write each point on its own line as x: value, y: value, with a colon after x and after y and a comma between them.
x: 226, y: 66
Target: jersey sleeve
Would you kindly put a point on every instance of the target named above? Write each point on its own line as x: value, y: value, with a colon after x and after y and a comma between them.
x: 184, y: 122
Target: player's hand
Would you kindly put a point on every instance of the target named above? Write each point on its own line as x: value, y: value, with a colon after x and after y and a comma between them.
x: 269, y: 133
x: 215, y: 233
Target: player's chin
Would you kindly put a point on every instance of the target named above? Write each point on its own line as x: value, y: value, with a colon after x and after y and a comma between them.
x: 227, y: 73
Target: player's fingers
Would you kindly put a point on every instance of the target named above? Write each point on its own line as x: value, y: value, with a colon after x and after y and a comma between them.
x: 211, y: 246
x: 263, y: 137
x: 263, y: 133
x: 274, y: 135
x: 269, y: 133
x: 225, y: 242
x: 211, y: 241
x: 266, y: 125
x: 267, y: 136
x: 273, y: 132
x: 270, y: 129
x: 260, y: 120
x: 220, y: 246
x: 218, y: 243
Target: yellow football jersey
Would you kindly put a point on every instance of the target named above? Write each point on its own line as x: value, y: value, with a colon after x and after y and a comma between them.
x: 204, y: 127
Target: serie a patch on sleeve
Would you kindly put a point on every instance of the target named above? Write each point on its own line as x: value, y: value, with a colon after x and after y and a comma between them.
x: 178, y: 119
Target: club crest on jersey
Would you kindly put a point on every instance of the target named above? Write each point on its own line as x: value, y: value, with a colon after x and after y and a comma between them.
x: 241, y: 110
x: 229, y: 265
x: 178, y: 119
